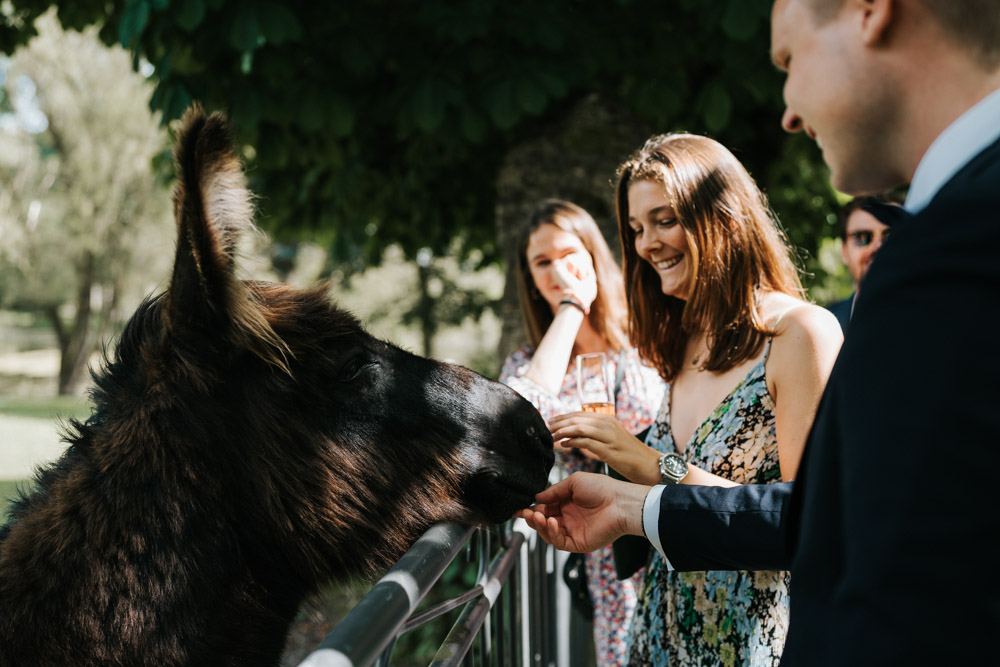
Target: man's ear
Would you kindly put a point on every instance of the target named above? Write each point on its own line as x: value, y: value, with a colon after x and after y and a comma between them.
x: 876, y: 19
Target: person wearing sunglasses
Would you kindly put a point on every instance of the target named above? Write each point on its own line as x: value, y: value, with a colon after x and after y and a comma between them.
x: 863, y: 224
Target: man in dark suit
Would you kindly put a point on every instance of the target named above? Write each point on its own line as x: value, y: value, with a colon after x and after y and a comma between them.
x: 863, y: 224
x: 891, y: 530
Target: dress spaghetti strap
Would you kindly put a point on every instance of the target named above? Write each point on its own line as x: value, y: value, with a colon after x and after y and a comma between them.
x: 767, y: 346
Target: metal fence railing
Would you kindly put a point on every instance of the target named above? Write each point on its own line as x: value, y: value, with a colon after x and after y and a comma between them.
x: 517, y: 613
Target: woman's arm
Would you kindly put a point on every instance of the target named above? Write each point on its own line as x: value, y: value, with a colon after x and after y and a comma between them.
x: 604, y: 438
x: 802, y: 355
x: 548, y: 366
x: 551, y: 359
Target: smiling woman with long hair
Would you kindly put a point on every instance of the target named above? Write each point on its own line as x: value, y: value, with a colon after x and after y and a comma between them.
x: 715, y: 305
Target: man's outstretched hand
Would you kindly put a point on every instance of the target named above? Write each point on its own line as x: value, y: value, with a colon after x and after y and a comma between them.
x: 585, y: 512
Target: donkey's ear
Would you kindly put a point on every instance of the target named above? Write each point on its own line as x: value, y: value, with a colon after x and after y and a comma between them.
x: 212, y: 206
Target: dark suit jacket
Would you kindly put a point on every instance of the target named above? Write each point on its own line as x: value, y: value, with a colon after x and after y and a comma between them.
x: 892, y: 530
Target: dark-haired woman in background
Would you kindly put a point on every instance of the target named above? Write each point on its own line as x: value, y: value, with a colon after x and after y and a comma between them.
x: 573, y: 302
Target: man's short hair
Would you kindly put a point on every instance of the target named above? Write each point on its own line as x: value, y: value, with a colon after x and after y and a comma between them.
x: 973, y: 24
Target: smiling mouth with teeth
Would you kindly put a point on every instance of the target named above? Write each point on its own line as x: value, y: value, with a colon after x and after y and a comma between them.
x: 668, y: 263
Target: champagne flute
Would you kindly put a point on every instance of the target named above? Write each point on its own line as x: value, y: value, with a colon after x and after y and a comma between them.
x: 593, y: 383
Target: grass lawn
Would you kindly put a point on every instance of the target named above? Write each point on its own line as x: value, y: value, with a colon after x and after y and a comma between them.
x: 31, y: 436
x: 8, y: 490
x: 45, y: 408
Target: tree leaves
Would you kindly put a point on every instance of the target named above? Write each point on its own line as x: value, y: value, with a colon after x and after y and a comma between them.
x: 340, y: 115
x: 473, y: 125
x: 428, y: 104
x: 502, y: 106
x: 383, y: 110
x: 360, y: 56
x: 189, y: 13
x: 740, y: 20
x: 245, y: 33
x: 530, y: 95
x: 716, y: 106
x: 133, y: 22
x: 170, y: 97
x: 278, y: 23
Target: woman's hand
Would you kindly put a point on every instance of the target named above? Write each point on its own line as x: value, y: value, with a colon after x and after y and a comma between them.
x: 575, y: 274
x: 603, y: 437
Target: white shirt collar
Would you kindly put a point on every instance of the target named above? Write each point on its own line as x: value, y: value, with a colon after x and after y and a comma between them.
x: 961, y: 141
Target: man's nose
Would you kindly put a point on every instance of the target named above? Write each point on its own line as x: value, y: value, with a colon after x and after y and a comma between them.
x: 791, y: 121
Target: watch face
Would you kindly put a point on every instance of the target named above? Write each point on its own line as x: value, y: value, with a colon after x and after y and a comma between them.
x: 675, y: 465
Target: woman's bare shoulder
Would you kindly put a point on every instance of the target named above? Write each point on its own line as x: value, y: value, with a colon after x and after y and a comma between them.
x: 802, y: 331
x: 788, y: 314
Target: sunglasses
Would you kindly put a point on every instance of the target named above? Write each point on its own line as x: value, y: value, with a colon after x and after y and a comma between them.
x: 864, y: 238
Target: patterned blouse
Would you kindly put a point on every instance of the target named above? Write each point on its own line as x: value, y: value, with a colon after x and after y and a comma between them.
x: 725, y: 617
x: 635, y: 406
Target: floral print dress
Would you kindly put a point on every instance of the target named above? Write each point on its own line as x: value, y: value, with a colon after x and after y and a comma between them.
x: 636, y: 403
x: 724, y: 617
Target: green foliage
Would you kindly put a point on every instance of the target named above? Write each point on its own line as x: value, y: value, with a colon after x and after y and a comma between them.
x: 396, y: 113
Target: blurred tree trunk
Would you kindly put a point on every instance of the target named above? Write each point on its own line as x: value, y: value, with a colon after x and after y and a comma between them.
x: 73, y: 337
x: 77, y: 339
x: 574, y: 158
x: 424, y: 309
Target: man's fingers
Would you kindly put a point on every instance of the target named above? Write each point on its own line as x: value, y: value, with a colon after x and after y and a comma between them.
x: 555, y: 532
x: 553, y: 493
x: 533, y: 517
x: 546, y: 527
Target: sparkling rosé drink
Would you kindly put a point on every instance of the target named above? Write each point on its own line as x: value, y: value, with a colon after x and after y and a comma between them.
x: 593, y: 383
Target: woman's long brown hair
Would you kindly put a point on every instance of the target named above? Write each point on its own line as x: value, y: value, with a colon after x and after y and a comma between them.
x: 607, y: 313
x: 736, y: 250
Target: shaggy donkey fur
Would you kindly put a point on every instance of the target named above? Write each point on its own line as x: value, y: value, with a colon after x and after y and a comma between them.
x: 250, y: 443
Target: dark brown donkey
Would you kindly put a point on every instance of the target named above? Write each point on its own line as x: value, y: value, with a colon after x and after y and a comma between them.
x: 250, y: 443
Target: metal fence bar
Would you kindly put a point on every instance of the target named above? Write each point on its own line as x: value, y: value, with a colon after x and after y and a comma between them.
x: 517, y: 614
x: 458, y: 642
x: 376, y: 620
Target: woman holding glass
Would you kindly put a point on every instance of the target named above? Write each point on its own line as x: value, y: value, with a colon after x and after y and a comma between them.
x: 715, y: 304
x: 573, y: 303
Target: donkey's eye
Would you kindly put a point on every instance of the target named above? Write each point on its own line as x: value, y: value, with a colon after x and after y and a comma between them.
x: 353, y: 369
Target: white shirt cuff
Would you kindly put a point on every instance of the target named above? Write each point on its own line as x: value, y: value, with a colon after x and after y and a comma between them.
x: 651, y: 521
